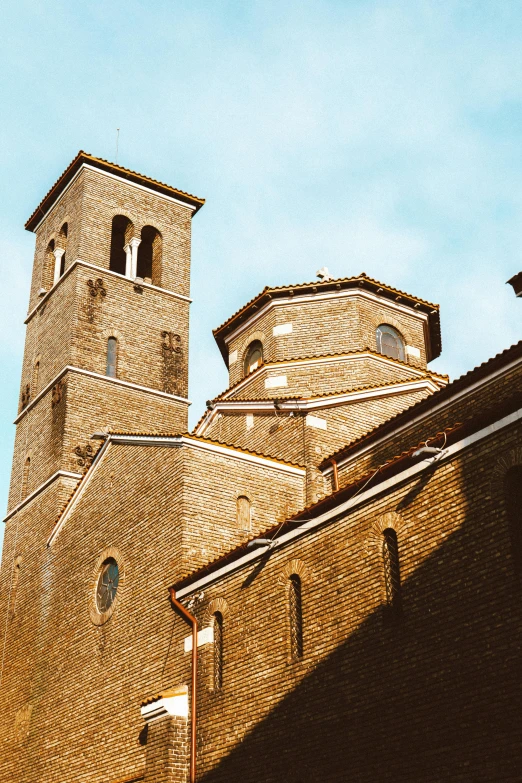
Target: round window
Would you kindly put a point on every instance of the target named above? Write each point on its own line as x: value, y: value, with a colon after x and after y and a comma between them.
x: 107, y: 585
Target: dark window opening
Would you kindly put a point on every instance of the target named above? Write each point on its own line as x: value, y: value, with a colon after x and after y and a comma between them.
x: 390, y: 342
x: 149, y: 255
x: 218, y: 651
x: 121, y: 233
x: 48, y: 269
x: 62, y: 242
x: 296, y: 618
x: 25, y: 476
x: 392, y: 574
x: 253, y: 356
x: 513, y: 500
x: 112, y: 357
x: 107, y: 585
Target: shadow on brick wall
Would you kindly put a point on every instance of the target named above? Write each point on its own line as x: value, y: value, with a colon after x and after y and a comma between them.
x: 437, y: 698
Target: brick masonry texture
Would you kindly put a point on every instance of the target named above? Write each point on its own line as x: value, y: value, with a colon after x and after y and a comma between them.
x: 331, y: 325
x: 430, y: 694
x: 433, y: 698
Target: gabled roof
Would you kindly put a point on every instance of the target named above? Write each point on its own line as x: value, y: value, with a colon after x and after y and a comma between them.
x: 361, y: 281
x: 112, y: 168
x: 445, y: 393
x: 442, y: 439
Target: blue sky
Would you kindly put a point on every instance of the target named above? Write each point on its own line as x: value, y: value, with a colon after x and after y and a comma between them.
x: 383, y: 137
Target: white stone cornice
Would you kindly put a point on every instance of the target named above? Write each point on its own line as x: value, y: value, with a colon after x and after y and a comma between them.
x: 102, y: 271
x: 300, y: 298
x: 98, y: 376
x: 171, y: 703
x: 46, y: 483
x: 83, y: 166
x: 314, y: 403
x: 318, y: 360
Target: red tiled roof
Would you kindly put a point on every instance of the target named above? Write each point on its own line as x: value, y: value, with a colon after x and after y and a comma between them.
x: 202, y: 439
x: 387, y: 470
x: 254, y: 374
x: 113, y: 168
x: 360, y: 281
x: 470, y: 377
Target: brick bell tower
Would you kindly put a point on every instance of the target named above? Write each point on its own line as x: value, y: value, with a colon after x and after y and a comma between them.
x: 107, y: 328
x: 106, y: 347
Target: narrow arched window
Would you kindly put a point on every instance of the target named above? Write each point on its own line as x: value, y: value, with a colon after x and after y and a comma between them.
x: 392, y: 573
x: 14, y: 584
x: 253, y: 356
x: 35, y: 378
x: 513, y: 500
x: 390, y: 342
x: 149, y: 255
x: 295, y: 612
x: 121, y: 234
x: 112, y: 357
x: 218, y: 651
x: 25, y: 476
x: 243, y: 513
x: 48, y: 267
x: 62, y: 241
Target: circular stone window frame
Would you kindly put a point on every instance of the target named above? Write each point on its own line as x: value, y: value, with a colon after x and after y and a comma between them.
x: 97, y: 617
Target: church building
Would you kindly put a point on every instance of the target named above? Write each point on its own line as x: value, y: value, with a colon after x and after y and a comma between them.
x: 322, y: 582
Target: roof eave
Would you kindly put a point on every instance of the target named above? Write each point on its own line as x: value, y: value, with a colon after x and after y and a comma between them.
x: 84, y: 158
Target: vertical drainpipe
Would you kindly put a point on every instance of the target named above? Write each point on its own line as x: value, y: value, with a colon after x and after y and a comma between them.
x: 194, y: 680
x: 335, y: 475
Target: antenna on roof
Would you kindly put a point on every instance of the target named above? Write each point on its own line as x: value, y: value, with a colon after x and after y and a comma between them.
x: 117, y: 142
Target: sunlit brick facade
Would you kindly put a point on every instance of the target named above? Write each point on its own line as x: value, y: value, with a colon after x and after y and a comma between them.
x: 355, y: 597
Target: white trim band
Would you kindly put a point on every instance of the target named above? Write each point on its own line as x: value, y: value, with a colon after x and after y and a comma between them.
x: 176, y: 441
x: 322, y: 403
x: 98, y: 376
x: 101, y: 270
x: 112, y: 176
x: 340, y: 294
x: 25, y: 501
x: 350, y: 504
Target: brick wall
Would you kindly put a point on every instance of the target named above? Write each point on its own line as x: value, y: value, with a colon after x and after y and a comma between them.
x: 336, y: 324
x: 431, y: 698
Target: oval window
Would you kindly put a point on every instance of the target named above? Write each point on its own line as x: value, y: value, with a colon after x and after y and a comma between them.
x: 107, y: 585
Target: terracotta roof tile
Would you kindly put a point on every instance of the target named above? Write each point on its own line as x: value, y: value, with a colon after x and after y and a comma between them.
x: 105, y: 165
x: 212, y: 441
x: 441, y: 438
x: 481, y: 370
x: 255, y: 373
x: 361, y: 280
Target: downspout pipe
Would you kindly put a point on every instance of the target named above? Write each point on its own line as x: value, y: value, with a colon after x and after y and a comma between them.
x: 335, y: 475
x: 194, y: 680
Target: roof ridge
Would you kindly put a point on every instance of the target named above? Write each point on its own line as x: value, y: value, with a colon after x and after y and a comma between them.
x: 203, y: 439
x: 117, y: 167
x: 426, y: 402
x: 369, y: 350
x: 323, y: 284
